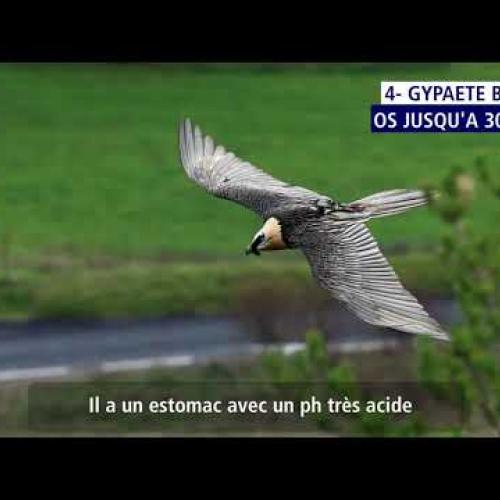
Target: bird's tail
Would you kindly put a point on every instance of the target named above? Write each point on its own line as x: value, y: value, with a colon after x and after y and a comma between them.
x: 386, y: 203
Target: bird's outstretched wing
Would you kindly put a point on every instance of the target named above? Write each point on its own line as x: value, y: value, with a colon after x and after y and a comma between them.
x: 346, y: 260
x: 226, y: 176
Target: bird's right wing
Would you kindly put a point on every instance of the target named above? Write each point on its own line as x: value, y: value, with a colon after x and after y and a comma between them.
x: 346, y: 260
x: 226, y: 176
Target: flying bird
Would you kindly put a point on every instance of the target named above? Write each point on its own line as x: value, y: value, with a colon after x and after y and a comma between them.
x: 343, y: 255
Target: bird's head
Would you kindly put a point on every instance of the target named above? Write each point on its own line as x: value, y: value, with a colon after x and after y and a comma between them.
x: 269, y: 237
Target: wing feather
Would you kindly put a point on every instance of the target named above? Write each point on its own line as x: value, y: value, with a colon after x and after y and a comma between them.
x: 346, y: 260
x: 226, y: 176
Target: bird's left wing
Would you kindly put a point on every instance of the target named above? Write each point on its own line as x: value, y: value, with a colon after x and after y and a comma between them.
x: 346, y: 260
x: 226, y: 176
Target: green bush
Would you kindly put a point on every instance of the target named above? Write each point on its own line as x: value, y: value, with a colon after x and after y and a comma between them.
x: 467, y: 373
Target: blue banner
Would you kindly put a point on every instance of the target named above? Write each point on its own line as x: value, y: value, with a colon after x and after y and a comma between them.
x: 397, y: 118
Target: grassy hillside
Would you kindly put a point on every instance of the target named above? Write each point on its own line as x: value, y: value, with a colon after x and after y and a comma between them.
x: 88, y: 153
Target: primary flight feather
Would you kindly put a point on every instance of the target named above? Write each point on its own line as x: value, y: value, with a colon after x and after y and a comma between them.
x: 344, y: 257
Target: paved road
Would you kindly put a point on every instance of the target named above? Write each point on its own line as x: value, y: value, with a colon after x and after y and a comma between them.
x: 40, y: 349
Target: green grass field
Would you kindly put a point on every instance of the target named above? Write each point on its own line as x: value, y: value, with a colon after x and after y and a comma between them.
x: 90, y: 170
x: 96, y: 288
x: 89, y: 152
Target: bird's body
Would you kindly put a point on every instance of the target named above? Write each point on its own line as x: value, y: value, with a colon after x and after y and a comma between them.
x: 343, y: 255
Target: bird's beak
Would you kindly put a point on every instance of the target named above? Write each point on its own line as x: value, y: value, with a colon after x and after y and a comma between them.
x: 254, y: 246
x: 250, y: 250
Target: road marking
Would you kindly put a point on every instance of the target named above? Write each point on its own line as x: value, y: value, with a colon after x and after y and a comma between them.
x: 145, y: 363
x: 365, y: 346
x: 35, y: 373
x: 179, y: 360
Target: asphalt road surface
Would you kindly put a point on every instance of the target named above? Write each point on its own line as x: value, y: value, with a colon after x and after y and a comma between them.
x: 41, y: 349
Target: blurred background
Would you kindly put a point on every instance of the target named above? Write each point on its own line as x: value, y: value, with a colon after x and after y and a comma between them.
x: 114, y: 264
